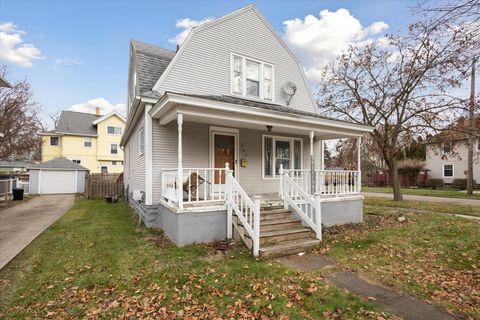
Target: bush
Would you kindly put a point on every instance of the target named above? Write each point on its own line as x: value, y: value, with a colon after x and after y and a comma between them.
x: 435, y: 183
x: 462, y: 183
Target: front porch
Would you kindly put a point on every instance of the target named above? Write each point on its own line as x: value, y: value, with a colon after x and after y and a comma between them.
x: 233, y: 165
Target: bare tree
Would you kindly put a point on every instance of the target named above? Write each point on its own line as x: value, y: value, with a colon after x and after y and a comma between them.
x: 398, y: 85
x: 18, y: 122
x: 53, y: 117
x: 447, y: 15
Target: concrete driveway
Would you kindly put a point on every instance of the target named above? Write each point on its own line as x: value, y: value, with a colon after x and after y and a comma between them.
x: 21, y: 224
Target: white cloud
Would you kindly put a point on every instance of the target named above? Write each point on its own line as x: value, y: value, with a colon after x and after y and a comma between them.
x: 104, y: 105
x: 66, y: 61
x: 318, y: 40
x: 187, y: 24
x: 13, y: 49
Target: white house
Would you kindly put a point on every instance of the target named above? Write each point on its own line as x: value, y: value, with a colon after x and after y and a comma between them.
x: 222, y: 136
x: 447, y: 157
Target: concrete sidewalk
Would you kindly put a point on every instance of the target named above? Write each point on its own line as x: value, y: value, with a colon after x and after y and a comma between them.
x: 468, y: 202
x: 21, y: 224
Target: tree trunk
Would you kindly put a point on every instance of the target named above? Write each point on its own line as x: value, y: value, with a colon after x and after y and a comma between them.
x: 471, y: 136
x: 395, y: 178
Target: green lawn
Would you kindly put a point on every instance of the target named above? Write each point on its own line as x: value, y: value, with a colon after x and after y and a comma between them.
x: 95, y: 263
x: 435, y: 257
x: 445, y: 192
x: 436, y: 207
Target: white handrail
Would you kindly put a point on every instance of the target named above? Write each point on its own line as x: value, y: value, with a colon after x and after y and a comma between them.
x: 307, y: 207
x: 337, y: 182
x: 247, y: 211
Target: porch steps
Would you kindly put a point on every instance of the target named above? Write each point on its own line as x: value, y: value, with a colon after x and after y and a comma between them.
x: 280, y: 233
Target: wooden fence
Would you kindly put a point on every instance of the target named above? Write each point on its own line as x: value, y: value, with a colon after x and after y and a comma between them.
x: 101, y: 185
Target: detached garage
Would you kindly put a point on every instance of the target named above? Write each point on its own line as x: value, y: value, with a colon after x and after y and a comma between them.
x: 58, y: 175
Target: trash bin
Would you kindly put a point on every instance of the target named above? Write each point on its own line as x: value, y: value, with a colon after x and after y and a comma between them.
x: 17, y: 194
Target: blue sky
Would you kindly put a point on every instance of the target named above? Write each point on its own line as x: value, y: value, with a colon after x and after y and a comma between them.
x: 83, y: 45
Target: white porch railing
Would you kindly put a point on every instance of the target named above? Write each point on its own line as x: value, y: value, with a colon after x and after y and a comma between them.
x: 198, y: 185
x: 307, y: 207
x: 337, y: 182
x: 248, y: 212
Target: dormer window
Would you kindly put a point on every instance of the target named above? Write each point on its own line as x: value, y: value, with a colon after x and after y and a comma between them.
x: 251, y: 78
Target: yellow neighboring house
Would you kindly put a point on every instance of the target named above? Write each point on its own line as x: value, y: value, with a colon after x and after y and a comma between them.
x: 91, y: 140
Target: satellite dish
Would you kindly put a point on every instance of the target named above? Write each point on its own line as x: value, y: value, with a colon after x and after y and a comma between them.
x: 290, y: 88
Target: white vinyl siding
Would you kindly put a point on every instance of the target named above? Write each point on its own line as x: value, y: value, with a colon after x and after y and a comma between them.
x: 141, y: 140
x: 204, y: 66
x: 134, y: 161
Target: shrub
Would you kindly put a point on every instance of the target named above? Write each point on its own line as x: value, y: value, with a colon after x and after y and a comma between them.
x: 461, y: 183
x: 435, y: 183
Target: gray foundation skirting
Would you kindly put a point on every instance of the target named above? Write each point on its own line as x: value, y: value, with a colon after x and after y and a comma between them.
x: 184, y: 228
x: 196, y: 227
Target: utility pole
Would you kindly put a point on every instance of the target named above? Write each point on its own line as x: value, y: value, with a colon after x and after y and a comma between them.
x: 472, y: 131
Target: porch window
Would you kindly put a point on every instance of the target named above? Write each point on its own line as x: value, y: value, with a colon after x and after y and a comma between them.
x: 278, y: 151
x: 251, y: 78
x: 448, y: 170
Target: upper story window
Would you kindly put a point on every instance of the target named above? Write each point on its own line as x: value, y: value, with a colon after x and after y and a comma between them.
x: 114, y: 148
x: 114, y: 130
x: 447, y: 147
x: 252, y: 78
x: 54, y: 141
x: 87, y: 142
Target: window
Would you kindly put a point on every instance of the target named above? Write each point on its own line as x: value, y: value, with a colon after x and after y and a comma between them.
x: 141, y: 140
x: 278, y: 151
x: 448, y: 170
x: 446, y: 147
x: 114, y: 148
x: 114, y: 163
x: 77, y: 161
x: 54, y: 141
x: 114, y: 130
x: 87, y: 142
x: 252, y: 78
x: 104, y: 169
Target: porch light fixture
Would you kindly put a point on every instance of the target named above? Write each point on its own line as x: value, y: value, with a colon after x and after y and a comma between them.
x: 269, y: 128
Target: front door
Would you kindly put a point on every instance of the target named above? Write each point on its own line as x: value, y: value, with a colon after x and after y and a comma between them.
x: 223, y: 152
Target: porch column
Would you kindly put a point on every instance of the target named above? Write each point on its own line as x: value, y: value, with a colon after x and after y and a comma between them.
x: 359, y: 164
x: 322, y: 155
x: 180, y: 162
x: 312, y: 165
x: 148, y: 157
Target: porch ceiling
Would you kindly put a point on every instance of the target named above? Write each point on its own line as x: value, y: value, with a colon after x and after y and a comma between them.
x: 218, y: 113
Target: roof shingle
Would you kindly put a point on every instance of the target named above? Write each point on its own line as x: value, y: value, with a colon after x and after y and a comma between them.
x: 151, y: 62
x: 59, y: 163
x: 77, y: 123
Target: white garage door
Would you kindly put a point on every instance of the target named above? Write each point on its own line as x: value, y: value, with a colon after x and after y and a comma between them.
x: 58, y: 182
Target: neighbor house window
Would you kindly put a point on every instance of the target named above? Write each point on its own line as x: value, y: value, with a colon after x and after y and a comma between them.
x: 446, y: 147
x: 77, y: 161
x: 114, y: 130
x: 281, y: 151
x: 87, y: 142
x: 141, y: 140
x: 54, y: 141
x: 448, y: 170
x: 104, y: 169
x: 114, y: 148
x: 252, y: 78
x: 114, y: 163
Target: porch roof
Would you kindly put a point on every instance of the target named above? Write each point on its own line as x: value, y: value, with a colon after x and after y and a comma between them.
x: 242, y: 113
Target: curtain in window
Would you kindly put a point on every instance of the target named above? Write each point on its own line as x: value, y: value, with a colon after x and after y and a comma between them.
x: 268, y: 157
x: 267, y: 82
x: 237, y: 74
